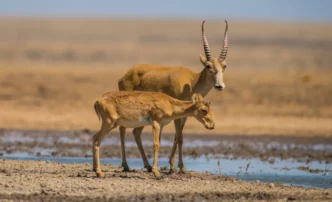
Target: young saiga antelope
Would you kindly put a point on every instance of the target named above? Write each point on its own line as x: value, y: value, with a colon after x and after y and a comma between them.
x: 132, y: 109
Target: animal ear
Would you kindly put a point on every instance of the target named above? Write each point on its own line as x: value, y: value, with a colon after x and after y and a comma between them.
x: 194, y: 98
x: 203, y: 59
x: 200, y: 97
x: 197, y: 97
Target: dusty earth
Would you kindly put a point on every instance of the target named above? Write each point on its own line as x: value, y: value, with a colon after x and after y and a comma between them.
x: 47, y: 181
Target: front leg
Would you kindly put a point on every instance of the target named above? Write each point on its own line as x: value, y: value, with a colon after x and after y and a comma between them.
x: 179, y: 125
x: 172, y: 157
x: 123, y: 149
x: 156, y: 146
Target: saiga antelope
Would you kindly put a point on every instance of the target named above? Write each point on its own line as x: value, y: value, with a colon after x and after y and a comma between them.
x: 178, y: 82
x: 133, y: 109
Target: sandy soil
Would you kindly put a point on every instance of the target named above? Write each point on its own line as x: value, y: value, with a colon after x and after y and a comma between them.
x: 47, y: 181
x: 63, y: 98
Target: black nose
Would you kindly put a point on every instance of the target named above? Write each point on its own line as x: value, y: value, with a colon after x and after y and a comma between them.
x: 218, y: 87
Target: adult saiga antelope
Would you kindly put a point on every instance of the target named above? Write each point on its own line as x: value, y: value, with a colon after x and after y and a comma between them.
x: 178, y: 82
x: 132, y: 109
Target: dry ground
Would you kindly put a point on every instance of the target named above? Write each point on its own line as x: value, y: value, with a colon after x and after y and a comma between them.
x: 278, y: 77
x: 46, y: 181
x: 271, y: 103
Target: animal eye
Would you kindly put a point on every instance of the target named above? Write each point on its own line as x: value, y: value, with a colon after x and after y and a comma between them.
x: 204, y: 111
x: 225, y: 66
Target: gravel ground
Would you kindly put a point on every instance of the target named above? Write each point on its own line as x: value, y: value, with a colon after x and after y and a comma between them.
x: 47, y: 181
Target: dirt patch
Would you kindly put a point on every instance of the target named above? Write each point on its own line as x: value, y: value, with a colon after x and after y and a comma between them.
x: 47, y: 181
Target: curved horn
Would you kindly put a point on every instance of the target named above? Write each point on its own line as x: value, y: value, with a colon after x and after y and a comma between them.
x: 206, y: 44
x: 225, y: 46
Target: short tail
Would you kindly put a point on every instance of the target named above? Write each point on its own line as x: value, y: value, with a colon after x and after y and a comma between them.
x: 97, y: 110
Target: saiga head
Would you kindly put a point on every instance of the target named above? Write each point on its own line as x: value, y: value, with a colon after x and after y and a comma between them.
x: 203, y: 112
x: 215, y: 66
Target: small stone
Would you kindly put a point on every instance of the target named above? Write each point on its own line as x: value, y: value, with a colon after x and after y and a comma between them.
x: 44, y: 192
x: 271, y: 185
x: 6, y: 185
x: 258, y: 181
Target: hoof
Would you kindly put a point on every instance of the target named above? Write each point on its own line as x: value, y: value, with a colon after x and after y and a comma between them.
x: 158, y: 176
x: 183, y: 170
x: 149, y: 168
x: 100, y: 174
x: 172, y: 170
x: 125, y: 168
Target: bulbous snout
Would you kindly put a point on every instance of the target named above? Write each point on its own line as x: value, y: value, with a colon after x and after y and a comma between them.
x: 209, y: 126
x: 220, y: 87
x: 219, y: 81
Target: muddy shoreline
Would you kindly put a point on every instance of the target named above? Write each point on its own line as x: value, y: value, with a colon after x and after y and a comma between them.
x: 78, y: 144
x: 48, y: 181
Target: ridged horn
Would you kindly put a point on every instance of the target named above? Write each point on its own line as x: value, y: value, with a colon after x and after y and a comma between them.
x: 224, y: 49
x: 206, y: 44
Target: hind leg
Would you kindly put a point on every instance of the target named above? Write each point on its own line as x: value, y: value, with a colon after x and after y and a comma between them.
x: 123, y: 149
x: 137, y: 134
x: 156, y: 145
x: 97, y: 138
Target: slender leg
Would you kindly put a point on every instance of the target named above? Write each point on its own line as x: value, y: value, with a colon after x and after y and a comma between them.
x: 178, y: 140
x: 156, y: 146
x: 172, y: 157
x: 123, y: 149
x: 180, y: 143
x: 97, y: 138
x: 161, y: 130
x: 137, y: 134
x: 104, y: 129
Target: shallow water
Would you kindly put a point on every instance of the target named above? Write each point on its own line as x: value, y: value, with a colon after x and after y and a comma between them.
x: 14, y: 137
x: 77, y: 144
x: 282, y: 171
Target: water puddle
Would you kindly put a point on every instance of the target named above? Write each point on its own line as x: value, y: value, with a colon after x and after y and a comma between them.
x: 281, y: 171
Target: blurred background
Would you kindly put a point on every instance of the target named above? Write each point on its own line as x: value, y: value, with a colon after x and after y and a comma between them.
x: 58, y: 57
